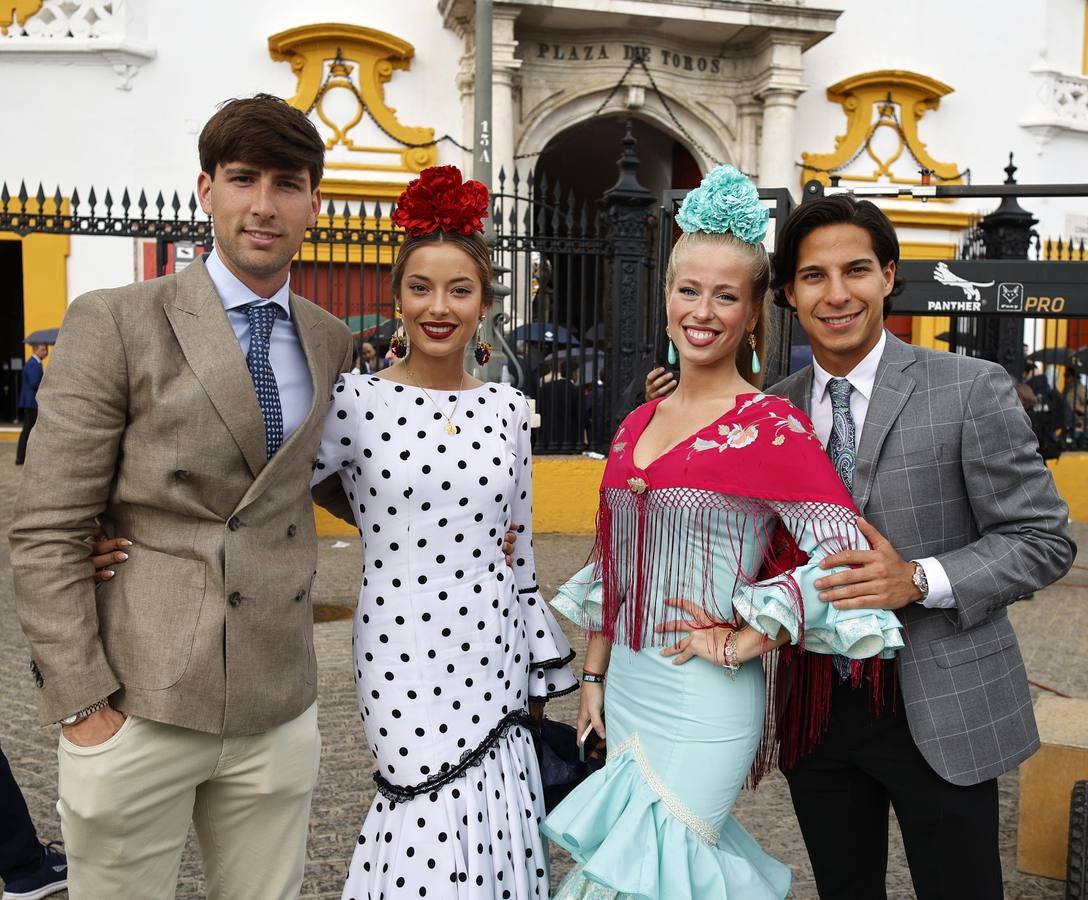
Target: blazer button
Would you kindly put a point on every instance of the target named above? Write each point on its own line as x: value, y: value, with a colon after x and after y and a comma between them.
x: 234, y: 523
x: 292, y: 530
x: 182, y: 474
x: 234, y: 598
x: 300, y: 596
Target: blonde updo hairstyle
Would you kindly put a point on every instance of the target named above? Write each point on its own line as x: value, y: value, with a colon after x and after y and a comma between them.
x: 760, y: 280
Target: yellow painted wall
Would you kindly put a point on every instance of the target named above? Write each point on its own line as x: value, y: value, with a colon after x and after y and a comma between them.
x: 565, y: 494
x: 1071, y: 478
x: 45, y: 279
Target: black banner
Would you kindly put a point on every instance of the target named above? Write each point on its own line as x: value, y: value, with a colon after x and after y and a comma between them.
x: 1015, y: 287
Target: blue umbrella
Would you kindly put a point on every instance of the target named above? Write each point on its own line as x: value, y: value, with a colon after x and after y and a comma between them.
x: 544, y: 333
x: 42, y: 336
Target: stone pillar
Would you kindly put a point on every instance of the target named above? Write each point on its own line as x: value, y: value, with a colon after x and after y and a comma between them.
x: 776, y: 168
x: 748, y: 116
x: 503, y: 91
x: 777, y: 85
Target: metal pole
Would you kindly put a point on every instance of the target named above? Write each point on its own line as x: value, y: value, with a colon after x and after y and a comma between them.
x: 491, y: 329
x: 481, y: 161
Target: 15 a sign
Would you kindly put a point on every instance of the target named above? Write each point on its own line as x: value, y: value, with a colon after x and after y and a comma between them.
x: 1013, y: 287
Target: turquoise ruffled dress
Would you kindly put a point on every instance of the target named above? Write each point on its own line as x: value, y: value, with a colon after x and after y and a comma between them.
x: 655, y: 823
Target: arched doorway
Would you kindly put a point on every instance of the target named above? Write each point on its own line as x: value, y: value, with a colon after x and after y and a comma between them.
x: 582, y: 158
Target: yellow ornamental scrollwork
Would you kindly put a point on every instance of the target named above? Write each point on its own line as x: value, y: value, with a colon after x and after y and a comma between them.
x: 16, y: 12
x: 341, y: 72
x: 890, y: 102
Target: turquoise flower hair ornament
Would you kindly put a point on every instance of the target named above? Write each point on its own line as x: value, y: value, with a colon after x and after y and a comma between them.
x: 726, y: 200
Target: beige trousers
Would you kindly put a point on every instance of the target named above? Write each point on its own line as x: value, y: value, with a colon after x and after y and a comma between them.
x: 125, y: 808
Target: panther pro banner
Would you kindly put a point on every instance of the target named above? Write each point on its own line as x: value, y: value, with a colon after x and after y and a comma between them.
x: 984, y: 287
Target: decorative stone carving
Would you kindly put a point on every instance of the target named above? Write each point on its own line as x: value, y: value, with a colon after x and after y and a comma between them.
x: 80, y: 30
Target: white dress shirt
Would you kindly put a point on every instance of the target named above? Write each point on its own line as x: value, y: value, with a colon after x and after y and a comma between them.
x: 862, y: 378
x: 284, y: 349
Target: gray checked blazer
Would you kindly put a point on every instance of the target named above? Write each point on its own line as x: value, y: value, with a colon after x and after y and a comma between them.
x: 947, y: 467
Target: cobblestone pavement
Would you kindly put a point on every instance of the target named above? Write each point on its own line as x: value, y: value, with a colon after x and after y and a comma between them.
x: 1053, y: 630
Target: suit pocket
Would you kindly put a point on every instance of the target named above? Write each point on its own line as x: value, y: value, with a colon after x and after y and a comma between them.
x: 147, y: 617
x: 975, y: 644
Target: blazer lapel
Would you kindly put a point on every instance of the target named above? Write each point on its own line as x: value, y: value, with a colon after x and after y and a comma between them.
x: 206, y: 338
x: 890, y: 393
x: 799, y: 391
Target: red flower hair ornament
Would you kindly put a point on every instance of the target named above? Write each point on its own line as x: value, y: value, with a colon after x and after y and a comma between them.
x: 440, y: 201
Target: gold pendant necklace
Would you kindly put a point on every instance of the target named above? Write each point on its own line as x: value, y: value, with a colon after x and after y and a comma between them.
x: 449, y: 427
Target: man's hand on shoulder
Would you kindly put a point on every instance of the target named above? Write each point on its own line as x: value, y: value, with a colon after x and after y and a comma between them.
x: 96, y: 729
x: 879, y: 578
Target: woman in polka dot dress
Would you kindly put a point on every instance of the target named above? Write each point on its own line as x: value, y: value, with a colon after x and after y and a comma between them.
x: 450, y: 642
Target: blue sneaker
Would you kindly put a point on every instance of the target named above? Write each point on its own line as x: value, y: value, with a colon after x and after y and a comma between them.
x: 51, y: 877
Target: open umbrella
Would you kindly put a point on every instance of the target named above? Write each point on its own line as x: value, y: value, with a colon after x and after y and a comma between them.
x: 42, y: 336
x: 543, y: 333
x: 1053, y: 356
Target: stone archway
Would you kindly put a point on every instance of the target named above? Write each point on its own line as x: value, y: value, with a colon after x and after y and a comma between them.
x: 708, y: 139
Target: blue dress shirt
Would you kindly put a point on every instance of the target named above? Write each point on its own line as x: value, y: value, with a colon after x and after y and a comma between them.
x: 284, y: 352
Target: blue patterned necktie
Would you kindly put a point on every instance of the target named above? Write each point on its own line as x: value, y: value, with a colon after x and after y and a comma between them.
x: 261, y: 320
x: 841, y: 447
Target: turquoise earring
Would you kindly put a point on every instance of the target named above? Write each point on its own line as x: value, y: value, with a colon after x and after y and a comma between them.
x: 755, y: 356
x: 673, y: 357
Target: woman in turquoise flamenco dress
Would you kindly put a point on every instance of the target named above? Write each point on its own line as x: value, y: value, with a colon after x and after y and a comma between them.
x: 717, y: 505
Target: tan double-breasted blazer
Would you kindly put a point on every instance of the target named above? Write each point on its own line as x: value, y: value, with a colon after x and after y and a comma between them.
x: 148, y: 424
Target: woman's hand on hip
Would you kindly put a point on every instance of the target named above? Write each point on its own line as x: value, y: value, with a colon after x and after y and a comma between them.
x: 706, y: 636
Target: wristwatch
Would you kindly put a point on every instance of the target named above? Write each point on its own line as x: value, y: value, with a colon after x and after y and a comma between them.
x: 84, y: 713
x: 920, y: 580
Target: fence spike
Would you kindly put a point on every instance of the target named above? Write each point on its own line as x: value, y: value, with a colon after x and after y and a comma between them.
x: 513, y: 219
x: 58, y: 200
x: 126, y: 203
x: 543, y: 188
x: 5, y: 196
x: 23, y: 196
x: 142, y: 202
x: 109, y: 203
x: 175, y: 204
x: 378, y: 213
x: 572, y: 202
x: 529, y: 184
x: 92, y: 200
x: 193, y: 206
x: 584, y: 221
x: 1080, y: 253
x: 502, y: 180
x: 40, y: 197
x: 330, y: 211
x: 159, y: 204
x: 516, y: 180
x: 75, y: 201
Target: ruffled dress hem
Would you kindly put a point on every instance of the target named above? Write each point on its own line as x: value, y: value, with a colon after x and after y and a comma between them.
x: 636, y: 841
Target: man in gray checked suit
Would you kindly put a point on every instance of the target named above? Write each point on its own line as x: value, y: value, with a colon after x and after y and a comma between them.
x: 964, y: 520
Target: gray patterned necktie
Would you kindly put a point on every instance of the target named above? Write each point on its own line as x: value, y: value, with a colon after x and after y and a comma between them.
x: 841, y: 447
x: 261, y: 320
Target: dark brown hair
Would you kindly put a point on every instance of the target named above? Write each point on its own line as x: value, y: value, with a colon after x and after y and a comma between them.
x: 264, y: 131
x: 761, y: 273
x: 841, y: 209
x: 473, y: 244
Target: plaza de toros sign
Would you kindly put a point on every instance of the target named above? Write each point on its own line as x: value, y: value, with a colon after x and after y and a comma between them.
x: 653, y: 56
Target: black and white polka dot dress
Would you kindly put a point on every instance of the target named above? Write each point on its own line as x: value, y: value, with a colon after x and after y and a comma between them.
x: 450, y: 642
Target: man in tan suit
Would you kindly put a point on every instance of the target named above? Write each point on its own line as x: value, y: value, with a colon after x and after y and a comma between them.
x: 184, y: 413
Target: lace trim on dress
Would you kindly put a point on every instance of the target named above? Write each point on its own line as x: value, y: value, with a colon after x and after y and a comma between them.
x: 671, y: 801
x: 399, y: 793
